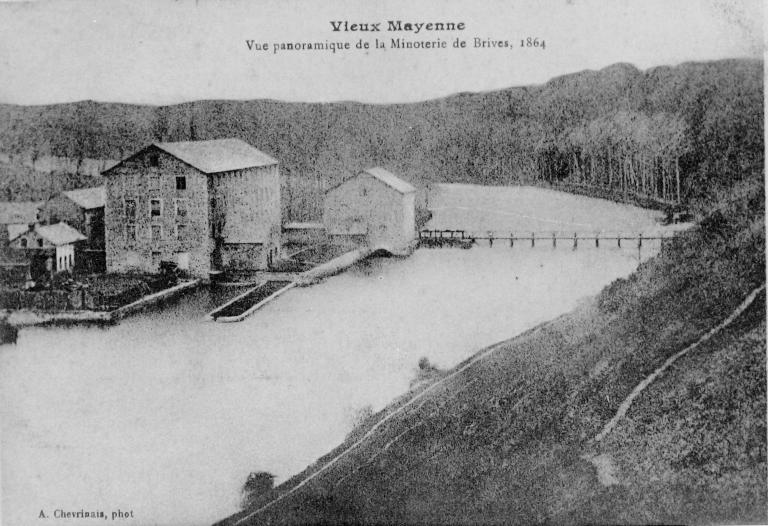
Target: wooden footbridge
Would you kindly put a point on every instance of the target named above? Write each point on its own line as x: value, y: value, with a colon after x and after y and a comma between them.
x: 464, y: 239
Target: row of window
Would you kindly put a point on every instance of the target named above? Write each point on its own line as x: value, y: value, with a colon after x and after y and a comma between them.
x: 155, y: 232
x: 155, y: 208
x: 156, y: 179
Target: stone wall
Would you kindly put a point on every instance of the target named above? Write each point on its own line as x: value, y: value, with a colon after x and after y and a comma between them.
x: 181, y: 228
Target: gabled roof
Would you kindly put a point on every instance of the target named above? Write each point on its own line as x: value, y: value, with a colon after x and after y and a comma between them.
x: 214, y: 156
x: 15, y: 231
x: 220, y: 155
x: 88, y: 198
x: 385, y: 177
x: 390, y: 179
x: 58, y: 234
x: 19, y: 212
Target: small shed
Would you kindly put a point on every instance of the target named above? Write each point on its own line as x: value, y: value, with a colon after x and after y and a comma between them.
x: 41, y: 242
x: 374, y: 208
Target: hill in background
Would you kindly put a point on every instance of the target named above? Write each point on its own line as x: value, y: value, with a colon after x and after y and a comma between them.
x: 610, y: 128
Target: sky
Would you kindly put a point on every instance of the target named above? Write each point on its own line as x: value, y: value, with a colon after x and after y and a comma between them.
x: 170, y: 51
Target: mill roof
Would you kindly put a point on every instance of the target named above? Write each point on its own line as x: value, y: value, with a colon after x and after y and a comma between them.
x: 219, y: 155
x: 213, y: 156
x: 88, y: 198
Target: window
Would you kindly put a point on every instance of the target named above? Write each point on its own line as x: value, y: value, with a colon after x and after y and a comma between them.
x: 157, y: 232
x: 71, y: 262
x: 181, y: 183
x: 130, y: 233
x: 154, y: 181
x: 40, y: 243
x: 181, y: 232
x: 154, y: 160
x: 23, y: 242
x: 156, y: 259
x: 130, y: 209
x: 155, y: 208
x: 181, y: 208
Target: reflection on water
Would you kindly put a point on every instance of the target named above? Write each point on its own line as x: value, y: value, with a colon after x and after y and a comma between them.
x: 166, y: 414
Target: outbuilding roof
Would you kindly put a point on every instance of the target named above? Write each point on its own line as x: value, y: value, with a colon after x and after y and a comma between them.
x: 390, y: 179
x: 88, y: 198
x: 58, y: 234
x: 16, y: 230
x: 385, y: 177
x: 16, y: 212
x: 220, y: 155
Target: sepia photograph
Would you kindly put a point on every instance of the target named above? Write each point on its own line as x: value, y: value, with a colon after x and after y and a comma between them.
x: 343, y: 262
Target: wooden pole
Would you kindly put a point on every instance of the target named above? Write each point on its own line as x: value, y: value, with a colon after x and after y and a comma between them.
x: 511, y: 239
x: 597, y: 240
x: 554, y: 240
x: 575, y: 240
x: 533, y: 240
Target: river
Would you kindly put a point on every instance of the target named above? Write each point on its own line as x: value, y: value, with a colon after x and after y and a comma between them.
x: 165, y: 414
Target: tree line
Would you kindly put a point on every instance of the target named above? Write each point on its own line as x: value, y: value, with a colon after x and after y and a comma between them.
x: 669, y: 134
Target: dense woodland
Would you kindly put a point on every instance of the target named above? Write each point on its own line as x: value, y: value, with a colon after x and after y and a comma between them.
x: 665, y: 135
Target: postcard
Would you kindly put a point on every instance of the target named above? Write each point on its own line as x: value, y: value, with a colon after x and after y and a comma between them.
x: 291, y: 262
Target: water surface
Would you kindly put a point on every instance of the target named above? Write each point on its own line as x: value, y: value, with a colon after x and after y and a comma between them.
x: 166, y: 414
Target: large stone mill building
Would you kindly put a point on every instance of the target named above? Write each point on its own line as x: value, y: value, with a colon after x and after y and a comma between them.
x: 206, y: 205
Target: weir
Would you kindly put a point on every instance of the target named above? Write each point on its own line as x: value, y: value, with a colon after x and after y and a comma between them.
x: 463, y: 239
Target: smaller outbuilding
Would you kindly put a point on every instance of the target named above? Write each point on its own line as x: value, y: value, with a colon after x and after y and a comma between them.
x: 82, y: 209
x: 49, y: 248
x: 374, y: 208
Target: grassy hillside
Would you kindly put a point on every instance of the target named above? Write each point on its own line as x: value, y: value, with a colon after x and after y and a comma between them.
x: 578, y: 127
x: 508, y: 438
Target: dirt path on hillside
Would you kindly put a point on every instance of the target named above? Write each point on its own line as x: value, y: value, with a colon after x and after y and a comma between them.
x: 625, y: 405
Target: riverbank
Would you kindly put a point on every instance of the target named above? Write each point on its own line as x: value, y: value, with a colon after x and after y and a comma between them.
x: 509, y: 435
x: 30, y: 318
